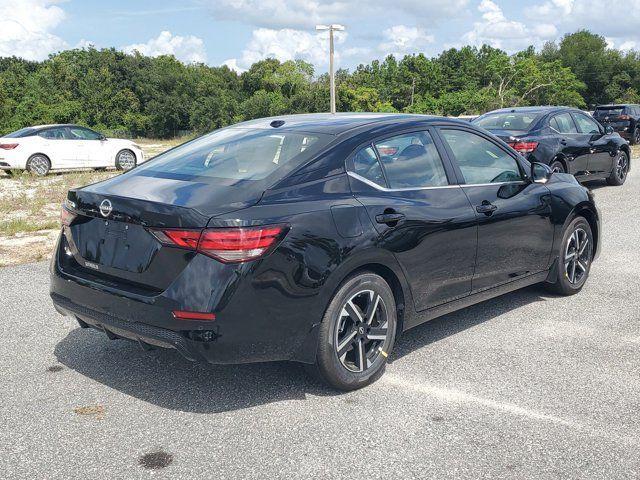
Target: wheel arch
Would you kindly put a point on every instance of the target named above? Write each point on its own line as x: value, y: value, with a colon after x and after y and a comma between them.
x: 559, y: 157
x: 627, y: 149
x: 591, y: 216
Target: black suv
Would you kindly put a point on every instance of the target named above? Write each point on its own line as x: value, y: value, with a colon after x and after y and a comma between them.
x: 567, y: 139
x: 623, y: 118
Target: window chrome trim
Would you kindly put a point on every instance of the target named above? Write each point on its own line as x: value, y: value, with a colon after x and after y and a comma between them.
x: 409, y: 189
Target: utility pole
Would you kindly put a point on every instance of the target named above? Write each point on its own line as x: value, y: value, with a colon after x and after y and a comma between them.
x: 332, y: 77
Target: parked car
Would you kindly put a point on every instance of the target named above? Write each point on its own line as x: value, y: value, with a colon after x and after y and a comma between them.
x: 623, y: 118
x: 297, y: 238
x: 566, y: 139
x: 44, y: 148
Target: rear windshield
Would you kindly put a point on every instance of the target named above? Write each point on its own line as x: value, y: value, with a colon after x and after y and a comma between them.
x: 608, y: 111
x: 23, y: 132
x: 520, y: 121
x: 237, y: 154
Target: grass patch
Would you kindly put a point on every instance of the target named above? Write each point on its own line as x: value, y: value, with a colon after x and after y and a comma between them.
x: 20, y: 225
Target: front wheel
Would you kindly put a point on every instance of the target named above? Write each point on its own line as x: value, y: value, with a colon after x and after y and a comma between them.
x: 125, y: 160
x: 357, y: 333
x: 635, y: 138
x: 574, y: 260
x: 620, y: 170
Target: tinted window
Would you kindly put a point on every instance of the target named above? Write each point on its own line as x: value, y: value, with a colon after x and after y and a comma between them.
x: 608, y: 112
x: 586, y: 124
x: 53, y: 134
x: 236, y: 153
x: 411, y: 161
x: 480, y: 160
x: 23, y: 132
x: 79, y: 133
x: 563, y: 123
x: 520, y: 121
x: 365, y: 164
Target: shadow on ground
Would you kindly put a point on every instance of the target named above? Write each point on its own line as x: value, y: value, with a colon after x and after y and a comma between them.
x: 164, y: 378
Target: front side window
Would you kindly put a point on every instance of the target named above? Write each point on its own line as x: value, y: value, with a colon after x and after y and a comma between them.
x: 411, y: 161
x: 78, y: 133
x: 563, y: 123
x: 585, y: 124
x: 480, y: 160
x: 238, y: 154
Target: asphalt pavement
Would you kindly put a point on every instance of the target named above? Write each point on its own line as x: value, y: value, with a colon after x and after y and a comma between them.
x: 528, y: 385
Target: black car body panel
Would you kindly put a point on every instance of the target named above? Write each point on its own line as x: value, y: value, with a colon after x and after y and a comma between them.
x: 443, y: 254
x: 587, y: 156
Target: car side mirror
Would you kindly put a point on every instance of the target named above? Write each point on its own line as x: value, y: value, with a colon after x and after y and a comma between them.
x: 608, y: 130
x: 540, y: 173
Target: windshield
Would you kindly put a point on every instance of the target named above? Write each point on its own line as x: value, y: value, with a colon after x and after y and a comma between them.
x: 237, y: 154
x: 520, y: 121
x: 23, y: 132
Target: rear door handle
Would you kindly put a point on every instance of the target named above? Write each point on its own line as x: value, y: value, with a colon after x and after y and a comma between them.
x: 563, y: 141
x: 487, y: 208
x: 388, y: 218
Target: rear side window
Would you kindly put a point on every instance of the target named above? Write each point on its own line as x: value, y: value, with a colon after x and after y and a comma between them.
x: 585, y: 124
x: 411, y: 161
x: 480, y: 160
x: 237, y: 154
x: 563, y: 123
x: 53, y: 134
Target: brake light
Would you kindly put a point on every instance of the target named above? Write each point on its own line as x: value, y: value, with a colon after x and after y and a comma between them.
x: 524, y: 147
x: 229, y: 245
x: 387, y: 150
x: 66, y: 216
x: 8, y: 146
x: 624, y: 117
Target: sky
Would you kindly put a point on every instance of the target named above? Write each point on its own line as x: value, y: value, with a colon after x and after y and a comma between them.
x: 239, y: 32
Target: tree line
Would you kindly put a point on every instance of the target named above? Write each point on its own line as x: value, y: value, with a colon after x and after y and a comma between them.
x: 159, y: 97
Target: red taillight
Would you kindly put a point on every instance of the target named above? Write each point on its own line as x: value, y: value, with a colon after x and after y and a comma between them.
x: 524, y: 147
x: 8, y: 146
x: 624, y: 117
x: 229, y: 245
x: 184, y: 315
x: 66, y: 216
x: 387, y: 150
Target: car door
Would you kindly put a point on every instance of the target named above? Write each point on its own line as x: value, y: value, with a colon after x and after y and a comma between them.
x: 88, y: 147
x: 420, y: 214
x: 57, y: 146
x: 601, y: 149
x: 573, y: 144
x: 515, y: 231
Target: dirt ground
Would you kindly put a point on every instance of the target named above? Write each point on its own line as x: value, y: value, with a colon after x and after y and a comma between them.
x: 30, y: 207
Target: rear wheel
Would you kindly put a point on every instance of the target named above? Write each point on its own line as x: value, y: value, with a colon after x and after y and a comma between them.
x: 38, y: 165
x: 574, y: 261
x: 557, y: 167
x: 357, y: 333
x: 125, y: 160
x: 635, y: 138
x: 620, y: 170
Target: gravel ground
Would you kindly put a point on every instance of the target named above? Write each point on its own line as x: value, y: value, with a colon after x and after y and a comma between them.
x: 526, y: 385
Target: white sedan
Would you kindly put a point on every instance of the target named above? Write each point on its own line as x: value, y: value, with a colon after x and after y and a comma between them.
x: 60, y: 147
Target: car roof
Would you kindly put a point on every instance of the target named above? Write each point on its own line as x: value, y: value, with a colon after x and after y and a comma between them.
x: 541, y: 109
x: 610, y: 105
x: 52, y: 125
x: 338, y: 123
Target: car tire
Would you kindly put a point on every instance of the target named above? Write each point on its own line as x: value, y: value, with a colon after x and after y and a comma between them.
x: 125, y: 160
x: 353, y: 347
x: 557, y: 167
x: 574, y: 258
x: 620, y: 170
x: 635, y: 138
x: 38, y: 165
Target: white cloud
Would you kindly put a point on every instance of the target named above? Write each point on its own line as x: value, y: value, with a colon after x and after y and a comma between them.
x: 287, y: 44
x: 498, y: 31
x: 401, y: 39
x: 26, y: 28
x: 187, y: 49
x: 305, y: 14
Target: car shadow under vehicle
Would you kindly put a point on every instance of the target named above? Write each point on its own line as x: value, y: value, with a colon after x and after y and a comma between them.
x: 163, y: 378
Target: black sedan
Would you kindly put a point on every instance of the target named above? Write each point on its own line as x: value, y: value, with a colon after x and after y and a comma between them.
x: 566, y: 139
x: 316, y: 238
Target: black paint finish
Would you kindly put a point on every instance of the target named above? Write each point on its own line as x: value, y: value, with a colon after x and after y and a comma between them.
x: 440, y: 254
